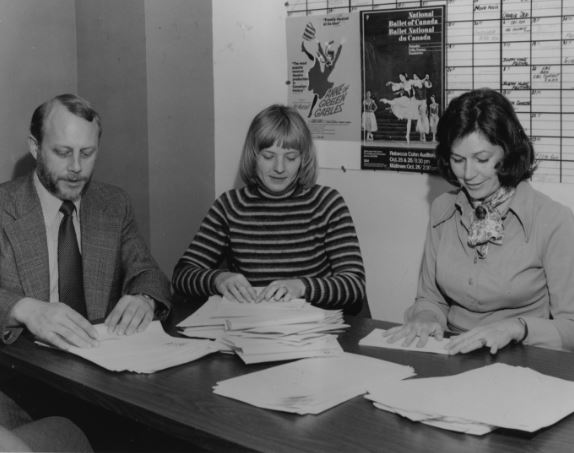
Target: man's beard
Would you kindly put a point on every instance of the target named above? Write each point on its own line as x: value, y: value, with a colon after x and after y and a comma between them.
x: 50, y: 182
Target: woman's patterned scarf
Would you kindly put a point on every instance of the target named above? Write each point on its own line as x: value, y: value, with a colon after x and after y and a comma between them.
x: 486, y: 221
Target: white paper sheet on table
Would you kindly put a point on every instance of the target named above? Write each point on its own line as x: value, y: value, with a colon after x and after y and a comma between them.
x: 496, y: 395
x: 145, y: 352
x: 375, y: 338
x: 311, y: 386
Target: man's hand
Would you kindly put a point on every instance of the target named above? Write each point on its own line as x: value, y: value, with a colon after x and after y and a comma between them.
x: 235, y: 287
x: 131, y: 314
x: 55, y: 323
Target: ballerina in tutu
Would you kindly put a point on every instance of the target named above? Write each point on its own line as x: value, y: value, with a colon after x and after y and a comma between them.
x: 420, y: 88
x: 403, y: 105
x: 368, y: 119
x: 434, y: 116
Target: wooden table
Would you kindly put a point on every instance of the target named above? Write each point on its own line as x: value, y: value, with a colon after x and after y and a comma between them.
x: 180, y: 402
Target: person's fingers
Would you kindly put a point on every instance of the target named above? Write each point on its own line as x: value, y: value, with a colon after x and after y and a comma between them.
x: 244, y: 294
x: 392, y: 331
x: 134, y: 321
x: 465, y: 345
x: 146, y: 320
x: 72, y: 335
x: 409, y: 338
x: 226, y: 293
x: 438, y: 333
x: 473, y: 345
x: 280, y: 293
x: 83, y: 324
x: 236, y: 295
x: 399, y: 334
x: 129, y: 311
x: 251, y: 292
x: 423, y: 338
x: 267, y: 293
x: 115, y: 315
x: 56, y: 340
x: 263, y: 294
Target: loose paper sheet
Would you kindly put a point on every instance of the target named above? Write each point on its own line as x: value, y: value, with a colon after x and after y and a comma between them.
x: 375, y: 338
x: 496, y: 395
x: 311, y: 386
x: 145, y: 352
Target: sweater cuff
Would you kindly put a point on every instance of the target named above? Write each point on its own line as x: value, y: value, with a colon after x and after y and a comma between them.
x: 542, y: 332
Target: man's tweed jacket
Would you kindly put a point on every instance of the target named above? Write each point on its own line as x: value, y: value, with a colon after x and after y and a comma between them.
x: 116, y: 260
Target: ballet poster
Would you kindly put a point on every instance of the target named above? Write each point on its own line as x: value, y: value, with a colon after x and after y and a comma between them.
x: 324, y: 75
x: 402, y: 62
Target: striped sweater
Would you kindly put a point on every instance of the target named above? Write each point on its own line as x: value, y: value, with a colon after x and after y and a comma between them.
x: 305, y: 233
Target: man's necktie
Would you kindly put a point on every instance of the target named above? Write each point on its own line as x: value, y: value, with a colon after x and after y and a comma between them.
x: 70, y: 275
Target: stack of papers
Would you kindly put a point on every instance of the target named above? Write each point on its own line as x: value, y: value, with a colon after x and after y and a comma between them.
x: 375, y: 338
x: 478, y: 401
x: 311, y: 386
x: 145, y: 352
x: 267, y: 331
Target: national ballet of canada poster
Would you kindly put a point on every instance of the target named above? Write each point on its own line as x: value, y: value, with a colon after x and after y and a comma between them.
x: 324, y: 78
x: 402, y: 62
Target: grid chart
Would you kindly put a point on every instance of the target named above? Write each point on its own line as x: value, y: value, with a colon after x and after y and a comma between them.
x: 522, y: 48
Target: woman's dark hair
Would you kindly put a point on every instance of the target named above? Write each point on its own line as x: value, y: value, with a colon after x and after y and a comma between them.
x: 490, y: 113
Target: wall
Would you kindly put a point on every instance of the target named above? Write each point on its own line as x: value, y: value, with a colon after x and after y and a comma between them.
x: 390, y: 209
x: 112, y: 75
x: 180, y: 123
x: 249, y: 72
x: 147, y: 67
x: 38, y: 60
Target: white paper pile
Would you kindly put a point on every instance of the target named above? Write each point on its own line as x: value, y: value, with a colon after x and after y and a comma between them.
x: 145, y: 352
x: 375, y: 338
x: 267, y: 331
x: 480, y: 400
x: 311, y: 386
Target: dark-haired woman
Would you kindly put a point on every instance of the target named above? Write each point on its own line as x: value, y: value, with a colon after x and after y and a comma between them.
x: 498, y: 263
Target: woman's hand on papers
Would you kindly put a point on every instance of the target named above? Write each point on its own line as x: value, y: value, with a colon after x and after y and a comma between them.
x: 423, y: 325
x: 282, y: 291
x: 235, y: 287
x: 494, y: 336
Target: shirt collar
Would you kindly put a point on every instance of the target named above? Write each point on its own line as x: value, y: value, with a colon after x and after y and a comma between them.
x: 49, y: 202
x: 521, y: 206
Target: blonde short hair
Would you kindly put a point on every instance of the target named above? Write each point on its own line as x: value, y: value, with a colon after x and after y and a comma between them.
x: 282, y: 126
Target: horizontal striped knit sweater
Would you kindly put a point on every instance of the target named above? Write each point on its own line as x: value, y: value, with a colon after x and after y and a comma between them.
x: 303, y: 233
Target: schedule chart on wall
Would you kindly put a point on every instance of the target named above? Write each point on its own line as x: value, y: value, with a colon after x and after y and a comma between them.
x: 522, y: 48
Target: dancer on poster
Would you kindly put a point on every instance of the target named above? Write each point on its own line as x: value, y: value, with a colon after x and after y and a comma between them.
x: 324, y: 60
x: 403, y: 105
x: 420, y: 94
x: 368, y: 119
x: 434, y: 116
